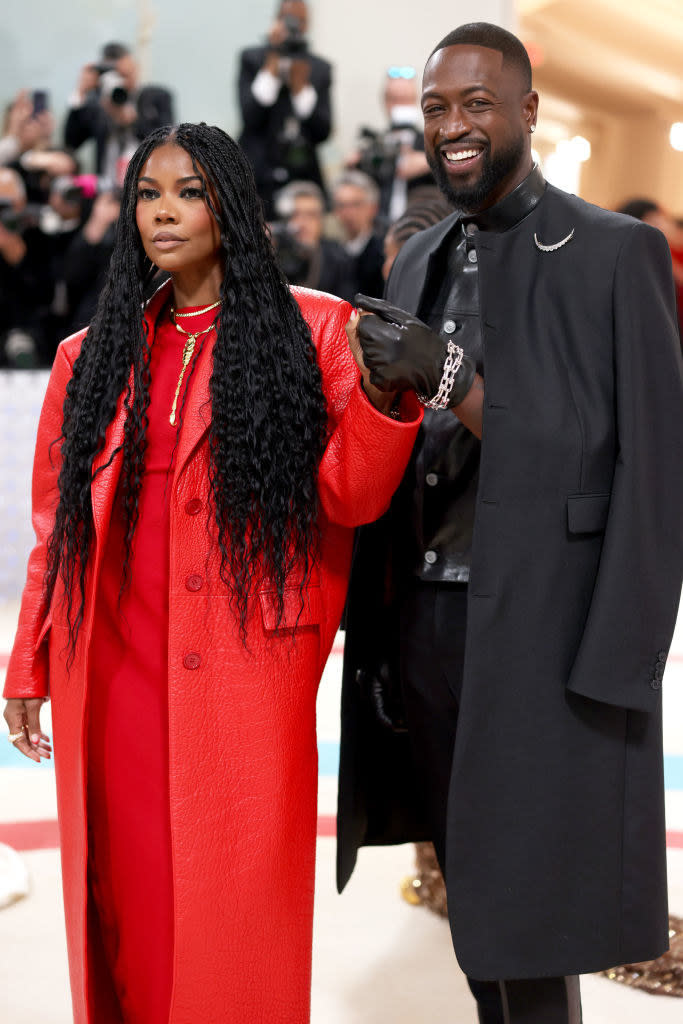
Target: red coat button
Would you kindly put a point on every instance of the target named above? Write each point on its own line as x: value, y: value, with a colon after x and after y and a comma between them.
x: 192, y: 660
x: 193, y: 507
x: 194, y: 583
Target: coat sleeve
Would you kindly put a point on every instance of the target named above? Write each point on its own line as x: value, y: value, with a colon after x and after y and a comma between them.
x: 83, y: 123
x: 254, y: 115
x: 633, y: 608
x: 367, y: 452
x: 27, y: 672
x: 318, y: 125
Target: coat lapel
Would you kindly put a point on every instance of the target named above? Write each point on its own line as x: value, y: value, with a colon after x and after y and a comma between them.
x: 412, y: 285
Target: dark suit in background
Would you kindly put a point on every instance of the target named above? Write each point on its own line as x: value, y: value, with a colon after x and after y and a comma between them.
x: 367, y: 265
x: 280, y: 146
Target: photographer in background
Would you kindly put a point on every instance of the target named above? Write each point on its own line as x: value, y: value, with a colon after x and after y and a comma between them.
x: 24, y: 127
x: 284, y: 95
x: 355, y: 203
x: 306, y: 258
x: 109, y: 107
x: 395, y: 157
x: 18, y: 335
x: 87, y: 259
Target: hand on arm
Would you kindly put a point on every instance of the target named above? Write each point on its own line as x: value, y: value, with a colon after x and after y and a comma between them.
x: 23, y: 721
x: 412, y: 163
x: 382, y: 400
x: 402, y: 353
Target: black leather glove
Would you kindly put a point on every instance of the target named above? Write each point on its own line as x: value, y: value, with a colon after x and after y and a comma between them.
x: 382, y: 691
x: 403, y: 354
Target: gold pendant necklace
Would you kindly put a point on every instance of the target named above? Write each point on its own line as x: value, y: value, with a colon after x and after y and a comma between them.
x: 188, y: 352
x: 196, y: 312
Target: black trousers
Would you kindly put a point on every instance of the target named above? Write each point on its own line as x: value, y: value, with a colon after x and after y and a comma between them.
x: 433, y: 622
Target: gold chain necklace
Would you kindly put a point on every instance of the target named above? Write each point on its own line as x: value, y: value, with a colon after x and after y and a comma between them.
x: 188, y: 351
x: 196, y: 312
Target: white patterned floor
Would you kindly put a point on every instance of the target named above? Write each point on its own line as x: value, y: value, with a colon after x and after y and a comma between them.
x: 376, y: 959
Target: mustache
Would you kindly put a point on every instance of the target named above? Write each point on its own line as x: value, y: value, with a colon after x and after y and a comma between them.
x: 464, y: 143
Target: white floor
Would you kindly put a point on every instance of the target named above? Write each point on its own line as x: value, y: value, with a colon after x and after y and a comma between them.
x: 377, y: 960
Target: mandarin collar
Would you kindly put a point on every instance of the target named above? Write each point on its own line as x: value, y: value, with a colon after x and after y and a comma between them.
x: 512, y: 208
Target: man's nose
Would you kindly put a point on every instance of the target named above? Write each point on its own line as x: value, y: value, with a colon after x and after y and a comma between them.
x: 454, y: 124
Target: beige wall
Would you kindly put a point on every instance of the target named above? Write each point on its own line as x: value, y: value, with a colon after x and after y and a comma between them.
x: 612, y: 71
x: 631, y: 154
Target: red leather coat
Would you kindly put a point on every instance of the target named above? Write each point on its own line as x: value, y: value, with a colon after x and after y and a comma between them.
x: 243, y: 815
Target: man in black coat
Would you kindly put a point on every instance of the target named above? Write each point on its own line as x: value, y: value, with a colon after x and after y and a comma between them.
x: 524, y: 589
x: 110, y: 107
x: 355, y: 203
x: 308, y: 258
x: 284, y: 95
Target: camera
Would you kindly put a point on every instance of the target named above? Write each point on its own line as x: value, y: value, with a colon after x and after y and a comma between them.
x: 113, y: 87
x: 294, y: 44
x: 18, y: 221
x: 379, y: 152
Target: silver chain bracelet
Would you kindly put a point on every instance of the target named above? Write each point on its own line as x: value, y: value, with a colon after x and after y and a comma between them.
x: 454, y: 358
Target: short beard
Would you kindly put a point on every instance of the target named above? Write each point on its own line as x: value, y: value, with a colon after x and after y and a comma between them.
x: 472, y: 198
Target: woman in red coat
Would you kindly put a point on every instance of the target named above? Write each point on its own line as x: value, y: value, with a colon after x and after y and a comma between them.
x: 200, y: 466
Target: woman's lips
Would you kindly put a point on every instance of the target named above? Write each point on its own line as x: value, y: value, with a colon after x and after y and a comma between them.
x: 167, y: 241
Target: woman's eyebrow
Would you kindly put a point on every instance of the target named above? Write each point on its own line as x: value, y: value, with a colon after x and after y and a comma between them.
x: 179, y: 181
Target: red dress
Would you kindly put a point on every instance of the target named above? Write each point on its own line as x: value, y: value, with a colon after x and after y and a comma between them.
x: 129, y: 863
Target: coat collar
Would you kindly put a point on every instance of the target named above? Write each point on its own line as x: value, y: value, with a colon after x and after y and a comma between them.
x: 527, y: 199
x: 196, y: 419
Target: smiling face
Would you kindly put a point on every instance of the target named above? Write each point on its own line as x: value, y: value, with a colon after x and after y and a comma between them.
x: 477, y: 116
x: 177, y: 229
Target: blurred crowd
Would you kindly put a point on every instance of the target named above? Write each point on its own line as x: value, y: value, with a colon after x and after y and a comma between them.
x: 59, y: 189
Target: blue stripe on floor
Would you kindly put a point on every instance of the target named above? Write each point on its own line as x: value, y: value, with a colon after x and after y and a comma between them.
x: 328, y: 758
x: 673, y: 772
x: 328, y: 762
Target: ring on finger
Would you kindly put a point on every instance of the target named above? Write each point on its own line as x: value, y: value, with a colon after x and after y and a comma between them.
x: 14, y: 736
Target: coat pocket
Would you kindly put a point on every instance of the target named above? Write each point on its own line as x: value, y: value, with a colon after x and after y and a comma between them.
x: 44, y: 630
x: 294, y: 613
x: 587, y: 513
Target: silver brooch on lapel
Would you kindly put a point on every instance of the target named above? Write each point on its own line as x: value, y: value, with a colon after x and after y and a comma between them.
x: 556, y: 245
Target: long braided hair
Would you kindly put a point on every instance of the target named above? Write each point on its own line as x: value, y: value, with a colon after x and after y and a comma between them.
x: 268, y: 414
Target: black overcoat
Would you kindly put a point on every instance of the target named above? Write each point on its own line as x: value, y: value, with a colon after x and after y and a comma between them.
x: 556, y: 841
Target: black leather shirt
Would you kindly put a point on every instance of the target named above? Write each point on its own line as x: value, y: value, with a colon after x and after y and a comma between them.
x: 440, y: 486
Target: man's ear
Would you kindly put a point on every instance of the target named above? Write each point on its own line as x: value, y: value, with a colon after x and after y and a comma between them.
x: 530, y: 108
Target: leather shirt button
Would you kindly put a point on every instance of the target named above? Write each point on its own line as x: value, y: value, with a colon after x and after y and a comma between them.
x: 192, y: 660
x: 431, y: 479
x: 194, y: 583
x: 656, y: 684
x: 661, y: 657
x: 472, y: 256
x: 471, y: 229
x: 659, y: 671
x: 431, y: 557
x: 193, y: 507
x: 449, y: 326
